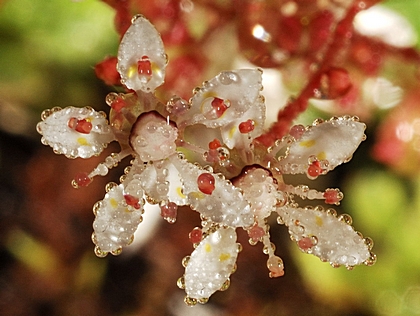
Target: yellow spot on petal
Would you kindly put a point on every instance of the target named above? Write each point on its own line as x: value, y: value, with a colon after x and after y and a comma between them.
x: 179, y: 191
x: 232, y: 131
x: 322, y: 155
x: 308, y: 143
x: 319, y: 221
x: 82, y: 141
x: 113, y: 203
x: 209, y: 94
x: 207, y: 247
x: 132, y: 71
x: 224, y: 256
x: 154, y: 67
x: 197, y: 195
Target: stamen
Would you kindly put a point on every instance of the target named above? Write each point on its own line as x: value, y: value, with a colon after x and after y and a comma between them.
x: 82, y: 179
x: 219, y: 106
x: 82, y: 126
x: 247, y: 126
x: 196, y: 235
x: 206, y: 183
x: 144, y: 67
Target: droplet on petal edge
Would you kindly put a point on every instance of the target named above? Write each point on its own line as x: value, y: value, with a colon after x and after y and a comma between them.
x: 276, y: 267
x: 256, y: 233
x: 169, y: 212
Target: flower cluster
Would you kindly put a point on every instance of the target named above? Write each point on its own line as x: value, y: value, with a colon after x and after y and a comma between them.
x: 204, y: 153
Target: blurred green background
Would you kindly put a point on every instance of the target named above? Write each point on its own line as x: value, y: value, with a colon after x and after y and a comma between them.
x: 47, y: 267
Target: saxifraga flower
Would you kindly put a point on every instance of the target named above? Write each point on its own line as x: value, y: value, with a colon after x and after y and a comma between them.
x: 204, y: 153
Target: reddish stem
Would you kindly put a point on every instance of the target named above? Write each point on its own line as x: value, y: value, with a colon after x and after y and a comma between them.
x: 294, y: 107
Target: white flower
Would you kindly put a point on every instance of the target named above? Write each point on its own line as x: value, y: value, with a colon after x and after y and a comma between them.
x: 203, y: 153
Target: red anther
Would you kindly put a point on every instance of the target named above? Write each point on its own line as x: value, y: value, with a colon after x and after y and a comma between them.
x: 83, y: 126
x: 132, y: 201
x: 206, y: 183
x: 82, y: 179
x: 247, y: 126
x: 144, y: 66
x: 196, y: 235
x: 169, y: 211
x: 72, y: 123
x: 332, y: 196
x: 314, y: 169
x: 214, y: 144
x: 219, y: 106
x: 118, y: 104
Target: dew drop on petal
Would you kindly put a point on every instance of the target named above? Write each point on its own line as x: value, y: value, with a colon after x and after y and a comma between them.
x: 297, y: 131
x: 276, y: 267
x: 169, y: 211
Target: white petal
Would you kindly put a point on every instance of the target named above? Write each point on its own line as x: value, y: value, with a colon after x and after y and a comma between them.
x: 161, y: 181
x: 225, y: 205
x: 67, y: 141
x: 334, y: 141
x: 211, y: 264
x: 333, y: 239
x: 240, y: 90
x: 116, y: 221
x: 231, y: 133
x: 141, y: 39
